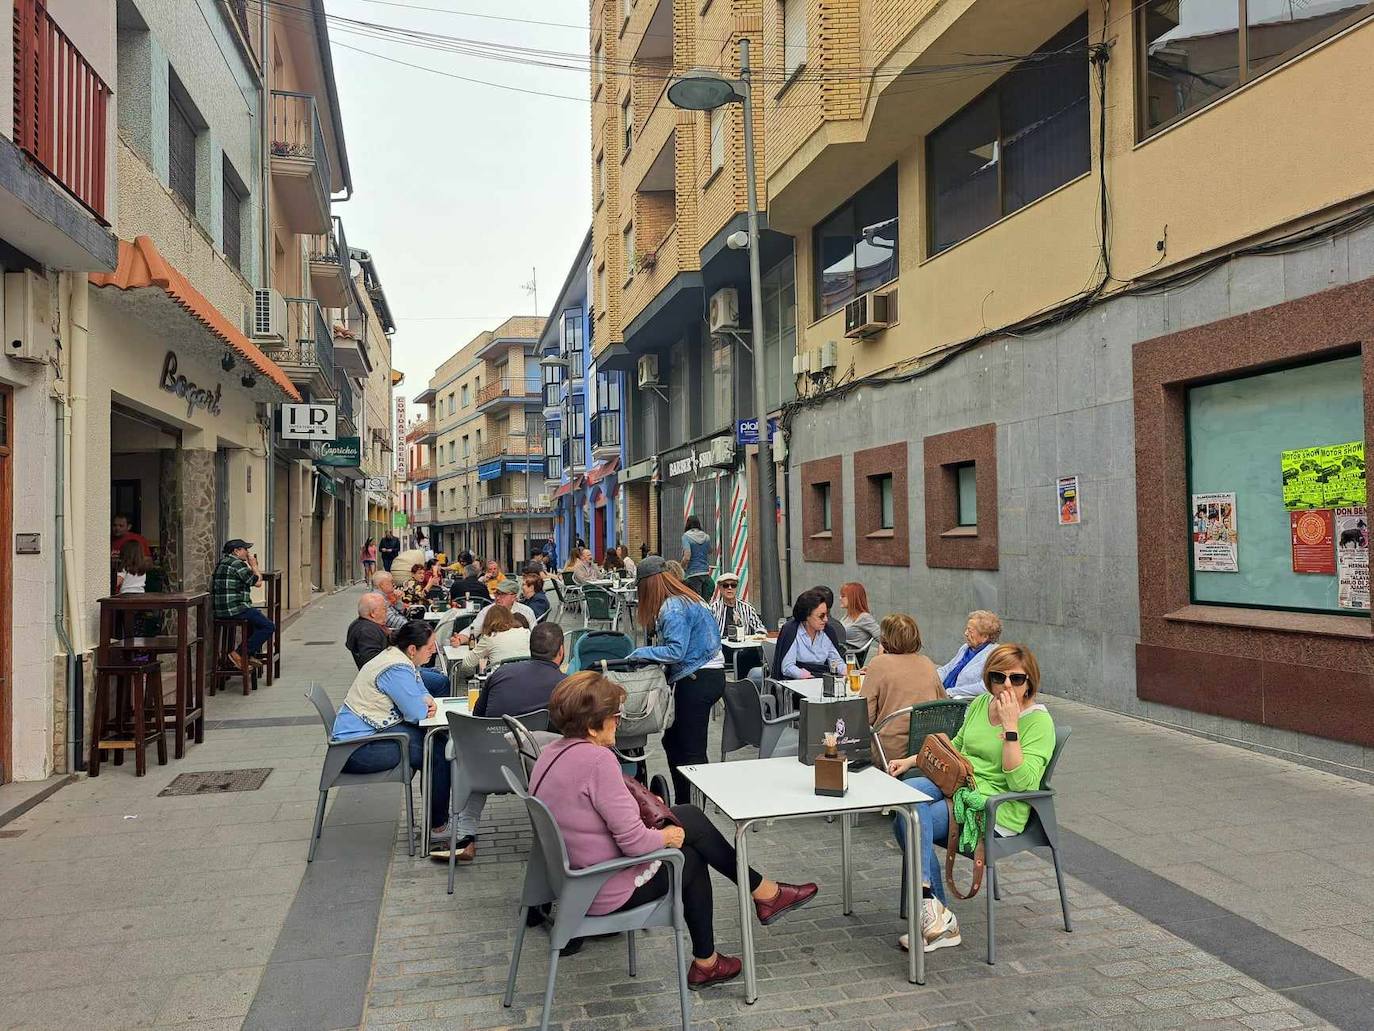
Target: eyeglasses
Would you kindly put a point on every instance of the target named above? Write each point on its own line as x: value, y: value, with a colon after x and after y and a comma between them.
x: 1015, y: 679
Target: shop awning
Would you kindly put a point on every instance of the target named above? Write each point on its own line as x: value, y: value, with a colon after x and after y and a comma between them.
x: 599, y: 472
x: 568, y: 487
x: 163, y: 296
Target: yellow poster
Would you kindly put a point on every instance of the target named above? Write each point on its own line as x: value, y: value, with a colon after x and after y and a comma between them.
x: 1324, y: 477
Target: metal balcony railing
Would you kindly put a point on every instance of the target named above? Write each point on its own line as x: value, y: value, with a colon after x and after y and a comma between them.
x: 553, y: 467
x: 343, y: 396
x: 606, y: 430
x: 330, y: 246
x: 503, y: 504
x: 422, y: 471
x: 309, y: 347
x: 511, y: 445
x: 296, y: 130
x: 506, y: 386
x: 420, y: 428
x: 60, y: 106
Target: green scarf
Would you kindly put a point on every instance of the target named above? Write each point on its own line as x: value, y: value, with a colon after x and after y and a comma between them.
x: 969, y: 806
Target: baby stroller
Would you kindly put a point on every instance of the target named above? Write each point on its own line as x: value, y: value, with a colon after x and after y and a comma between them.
x: 592, y: 647
x: 647, y: 711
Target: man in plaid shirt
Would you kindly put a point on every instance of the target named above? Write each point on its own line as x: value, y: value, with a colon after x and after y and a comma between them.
x: 231, y: 595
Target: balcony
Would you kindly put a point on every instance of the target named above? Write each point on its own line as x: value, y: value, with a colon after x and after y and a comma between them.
x: 511, y: 504
x: 507, y: 390
x: 329, y: 266
x: 307, y: 356
x: 420, y: 472
x: 511, y: 446
x: 553, y: 467
x: 422, y: 431
x: 422, y: 516
x: 606, y: 434
x: 300, y: 163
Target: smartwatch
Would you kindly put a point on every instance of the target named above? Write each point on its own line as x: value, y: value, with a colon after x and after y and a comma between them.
x: 1010, y: 735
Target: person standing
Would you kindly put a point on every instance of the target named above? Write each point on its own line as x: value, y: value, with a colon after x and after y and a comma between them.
x: 696, y: 556
x: 368, y: 557
x: 390, y: 548
x: 121, y: 533
x: 231, y: 587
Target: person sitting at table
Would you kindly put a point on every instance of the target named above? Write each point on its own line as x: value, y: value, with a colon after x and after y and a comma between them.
x: 414, y: 590
x: 1009, y: 738
x: 627, y: 564
x: 787, y: 634
x: 963, y: 674
x: 860, y: 626
x: 368, y: 636
x: 812, y: 652
x: 468, y: 585
x: 578, y: 778
x: 502, y: 638
x: 898, y: 676
x: 731, y: 611
x: 389, y: 694
x: 385, y: 585
x: 532, y: 594
x: 231, y: 595
x: 506, y: 594
x: 493, y: 576
x: 585, y: 569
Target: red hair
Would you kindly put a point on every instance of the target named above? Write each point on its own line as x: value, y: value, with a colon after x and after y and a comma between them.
x: 855, y: 597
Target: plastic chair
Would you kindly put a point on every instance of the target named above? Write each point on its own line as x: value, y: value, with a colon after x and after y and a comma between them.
x: 598, y: 606
x: 549, y: 878
x: 478, y: 750
x: 526, y: 744
x: 339, y: 752
x: 944, y: 716
x: 749, y: 720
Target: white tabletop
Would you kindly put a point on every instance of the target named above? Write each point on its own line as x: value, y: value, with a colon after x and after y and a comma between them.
x: 457, y: 654
x: 748, y: 642
x: 433, y: 617
x: 759, y: 789
x: 810, y: 688
x: 446, y: 705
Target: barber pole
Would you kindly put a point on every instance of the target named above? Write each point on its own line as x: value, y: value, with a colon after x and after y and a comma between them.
x: 739, y: 533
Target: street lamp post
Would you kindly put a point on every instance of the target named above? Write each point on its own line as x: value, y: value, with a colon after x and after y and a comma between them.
x: 706, y: 90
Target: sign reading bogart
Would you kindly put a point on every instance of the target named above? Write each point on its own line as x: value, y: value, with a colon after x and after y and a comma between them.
x: 313, y: 421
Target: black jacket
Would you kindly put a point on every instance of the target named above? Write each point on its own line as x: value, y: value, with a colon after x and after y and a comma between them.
x: 365, y: 641
x: 469, y: 585
x: 517, y: 688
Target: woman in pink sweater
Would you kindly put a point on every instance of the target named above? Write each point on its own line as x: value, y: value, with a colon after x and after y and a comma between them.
x: 579, y: 779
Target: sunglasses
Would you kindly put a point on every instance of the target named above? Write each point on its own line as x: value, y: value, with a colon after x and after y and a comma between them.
x: 1014, y: 679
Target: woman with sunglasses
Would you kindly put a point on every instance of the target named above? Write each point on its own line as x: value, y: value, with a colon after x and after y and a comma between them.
x: 1008, y: 737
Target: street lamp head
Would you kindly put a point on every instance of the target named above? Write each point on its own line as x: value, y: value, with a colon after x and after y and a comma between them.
x: 553, y: 361
x: 702, y: 89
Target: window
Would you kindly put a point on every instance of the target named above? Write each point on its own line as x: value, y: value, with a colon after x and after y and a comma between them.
x: 628, y: 5
x: 881, y: 506
x: 598, y: 68
x: 722, y: 382
x: 966, y: 481
x: 823, y: 509
x: 627, y: 239
x: 627, y: 121
x: 181, y: 147
x: 718, y: 139
x: 1027, y: 135
x: 884, y: 492
x: 855, y: 249
x: 608, y: 392
x: 467, y: 449
x: 1193, y: 51
x: 793, y: 36
x: 601, y: 286
x: 450, y: 404
x: 232, y: 197
x: 823, y: 502
x: 572, y: 342
x: 599, y: 180
x: 779, y: 333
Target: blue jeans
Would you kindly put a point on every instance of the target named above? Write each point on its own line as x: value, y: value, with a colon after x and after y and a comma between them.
x: 435, y: 683
x: 934, y: 826
x: 383, y: 755
x: 263, y: 628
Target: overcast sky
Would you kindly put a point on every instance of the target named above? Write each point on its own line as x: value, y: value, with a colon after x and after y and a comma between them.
x: 460, y: 188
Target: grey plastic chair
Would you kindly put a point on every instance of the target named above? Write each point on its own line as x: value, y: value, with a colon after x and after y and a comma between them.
x: 477, y: 751
x: 526, y: 744
x: 339, y: 752
x: 749, y: 720
x: 550, y: 879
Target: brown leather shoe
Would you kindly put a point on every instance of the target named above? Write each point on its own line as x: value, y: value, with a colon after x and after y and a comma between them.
x: 789, y: 896
x: 236, y: 660
x: 725, y: 968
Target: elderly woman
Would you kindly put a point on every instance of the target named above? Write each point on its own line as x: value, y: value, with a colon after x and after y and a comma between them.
x: 1009, y: 738
x: 579, y: 779
x: 812, y: 653
x: 689, y: 645
x: 505, y: 636
x: 963, y: 674
x: 898, y: 676
x: 860, y: 625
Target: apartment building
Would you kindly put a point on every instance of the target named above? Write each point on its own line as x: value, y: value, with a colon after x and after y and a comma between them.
x: 669, y: 298
x: 485, y: 403
x: 376, y: 407
x: 1069, y: 320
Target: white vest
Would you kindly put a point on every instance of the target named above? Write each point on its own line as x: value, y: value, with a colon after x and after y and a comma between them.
x: 369, y: 702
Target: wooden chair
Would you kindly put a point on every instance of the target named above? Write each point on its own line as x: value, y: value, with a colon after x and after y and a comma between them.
x: 231, y: 638
x: 137, y: 716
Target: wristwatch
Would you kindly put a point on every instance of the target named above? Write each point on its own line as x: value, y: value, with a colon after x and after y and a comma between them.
x: 1010, y: 735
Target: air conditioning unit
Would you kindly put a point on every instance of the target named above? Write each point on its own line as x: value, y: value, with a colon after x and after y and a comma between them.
x: 648, y: 370
x: 885, y: 306
x: 801, y: 363
x: 268, y: 319
x: 724, y: 309
x: 723, y: 451
x: 829, y: 355
x: 29, y: 332
x: 860, y: 317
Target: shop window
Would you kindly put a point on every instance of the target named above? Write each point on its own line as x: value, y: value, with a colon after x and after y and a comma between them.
x: 855, y: 249
x: 1240, y: 479
x: 961, y: 498
x: 1025, y: 136
x: 1193, y: 51
x: 881, y: 534
x: 822, y: 510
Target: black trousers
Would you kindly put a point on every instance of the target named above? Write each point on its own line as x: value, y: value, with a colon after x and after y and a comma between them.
x: 704, y: 849
x: 685, y: 741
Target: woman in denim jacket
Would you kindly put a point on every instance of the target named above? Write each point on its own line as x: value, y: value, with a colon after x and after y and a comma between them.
x: 689, y: 645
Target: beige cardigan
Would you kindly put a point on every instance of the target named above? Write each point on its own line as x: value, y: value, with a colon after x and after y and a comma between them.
x: 893, y: 682
x: 508, y: 644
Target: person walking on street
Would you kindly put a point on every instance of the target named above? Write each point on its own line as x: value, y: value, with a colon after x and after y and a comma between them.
x: 231, y: 594
x: 368, y: 555
x: 390, y: 548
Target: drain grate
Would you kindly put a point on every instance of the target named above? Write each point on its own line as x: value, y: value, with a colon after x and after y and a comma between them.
x: 216, y: 782
x: 310, y: 644
x: 11, y: 833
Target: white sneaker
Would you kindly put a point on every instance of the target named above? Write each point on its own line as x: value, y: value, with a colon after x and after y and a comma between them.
x: 936, y: 926
x: 947, y: 937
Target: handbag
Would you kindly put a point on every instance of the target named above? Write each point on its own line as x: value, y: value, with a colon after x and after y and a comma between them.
x: 945, y: 766
x: 846, y: 718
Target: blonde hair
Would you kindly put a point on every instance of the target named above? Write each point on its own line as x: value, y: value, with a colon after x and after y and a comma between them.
x: 1004, y: 657
x: 900, y: 635
x: 987, y: 622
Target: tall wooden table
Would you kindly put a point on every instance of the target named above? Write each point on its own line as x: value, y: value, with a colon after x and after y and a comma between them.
x: 189, y: 706
x: 271, y: 608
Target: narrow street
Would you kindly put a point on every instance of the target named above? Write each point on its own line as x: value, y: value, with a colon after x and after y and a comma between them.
x: 134, y: 910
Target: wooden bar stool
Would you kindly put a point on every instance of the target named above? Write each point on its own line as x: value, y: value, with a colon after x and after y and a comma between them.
x: 137, y: 701
x: 231, y: 638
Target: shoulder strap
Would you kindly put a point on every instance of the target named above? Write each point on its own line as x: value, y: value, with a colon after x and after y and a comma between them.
x: 544, y: 773
x: 952, y: 850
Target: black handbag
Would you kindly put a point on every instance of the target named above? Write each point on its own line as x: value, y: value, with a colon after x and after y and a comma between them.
x: 847, y: 719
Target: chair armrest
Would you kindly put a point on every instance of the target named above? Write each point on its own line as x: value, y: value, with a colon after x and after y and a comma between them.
x: 994, y: 801
x: 790, y: 717
x: 611, y: 866
x: 357, y: 742
x: 904, y: 711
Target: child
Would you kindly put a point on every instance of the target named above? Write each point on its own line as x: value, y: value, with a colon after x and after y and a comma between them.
x: 133, y: 569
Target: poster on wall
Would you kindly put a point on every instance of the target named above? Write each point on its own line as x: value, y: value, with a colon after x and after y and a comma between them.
x: 1215, y: 542
x: 1311, y: 532
x: 1352, y: 557
x: 1323, y: 477
x: 1070, y: 501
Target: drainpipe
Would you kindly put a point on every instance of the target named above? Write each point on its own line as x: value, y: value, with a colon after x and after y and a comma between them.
x: 265, y: 277
x: 68, y: 423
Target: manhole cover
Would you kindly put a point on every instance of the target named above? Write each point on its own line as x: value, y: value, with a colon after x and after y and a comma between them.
x: 215, y: 782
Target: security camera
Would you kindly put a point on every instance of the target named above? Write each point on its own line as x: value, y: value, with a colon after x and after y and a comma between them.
x: 738, y: 241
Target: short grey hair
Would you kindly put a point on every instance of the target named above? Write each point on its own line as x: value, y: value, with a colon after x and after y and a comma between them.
x: 987, y: 623
x: 382, y: 580
x: 370, y: 603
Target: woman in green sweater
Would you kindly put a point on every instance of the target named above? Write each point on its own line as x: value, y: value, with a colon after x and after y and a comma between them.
x: 1008, y: 737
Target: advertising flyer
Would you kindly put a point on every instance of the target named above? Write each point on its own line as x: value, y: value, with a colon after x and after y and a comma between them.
x: 1312, y: 535
x: 1352, y: 557
x: 1070, y: 502
x: 1324, y: 477
x: 1215, y: 541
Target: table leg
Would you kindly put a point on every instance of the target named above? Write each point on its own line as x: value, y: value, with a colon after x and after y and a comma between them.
x: 846, y: 834
x: 915, y: 907
x: 425, y: 788
x: 183, y: 677
x: 746, y: 914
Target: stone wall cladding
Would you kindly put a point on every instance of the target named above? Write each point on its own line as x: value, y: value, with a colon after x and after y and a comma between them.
x: 874, y: 546
x: 815, y: 547
x: 943, y: 452
x: 199, y: 497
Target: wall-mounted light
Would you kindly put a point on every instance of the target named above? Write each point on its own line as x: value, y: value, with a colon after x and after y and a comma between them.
x: 227, y: 363
x: 248, y: 380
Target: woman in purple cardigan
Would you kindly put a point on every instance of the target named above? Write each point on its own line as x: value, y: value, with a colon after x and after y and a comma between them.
x: 600, y: 821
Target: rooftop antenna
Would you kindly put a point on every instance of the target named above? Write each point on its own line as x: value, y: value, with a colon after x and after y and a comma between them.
x: 532, y: 288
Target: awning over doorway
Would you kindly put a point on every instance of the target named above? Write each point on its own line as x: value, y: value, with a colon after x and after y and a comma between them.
x: 568, y: 487
x: 161, y: 294
x: 599, y: 472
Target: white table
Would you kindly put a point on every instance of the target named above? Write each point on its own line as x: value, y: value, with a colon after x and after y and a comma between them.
x: 782, y: 788
x: 810, y: 688
x: 454, y: 655
x: 431, y: 726
x: 433, y: 617
x: 736, y: 650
